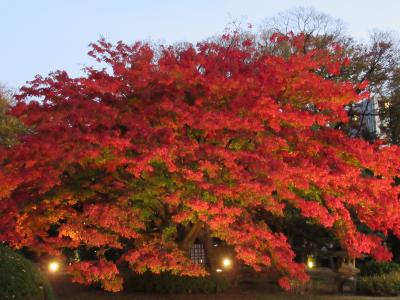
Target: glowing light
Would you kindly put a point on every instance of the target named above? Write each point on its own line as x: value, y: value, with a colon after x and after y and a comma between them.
x: 387, y: 104
x: 226, y: 262
x: 54, y: 266
x: 218, y: 270
x: 310, y: 263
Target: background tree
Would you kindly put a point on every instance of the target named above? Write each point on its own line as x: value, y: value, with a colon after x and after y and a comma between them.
x: 10, y: 127
x: 375, y: 62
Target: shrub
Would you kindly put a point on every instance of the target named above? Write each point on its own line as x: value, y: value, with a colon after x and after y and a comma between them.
x: 380, y: 285
x: 378, y: 268
x: 168, y: 283
x: 20, y: 279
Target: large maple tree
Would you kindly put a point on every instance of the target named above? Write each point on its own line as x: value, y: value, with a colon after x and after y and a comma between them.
x: 164, y: 146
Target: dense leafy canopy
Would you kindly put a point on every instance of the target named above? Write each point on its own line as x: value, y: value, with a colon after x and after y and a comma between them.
x: 144, y: 154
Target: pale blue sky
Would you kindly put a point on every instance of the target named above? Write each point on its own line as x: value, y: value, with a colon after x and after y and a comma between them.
x: 39, y: 36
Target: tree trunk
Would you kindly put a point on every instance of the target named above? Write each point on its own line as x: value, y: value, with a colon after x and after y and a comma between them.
x: 191, y: 236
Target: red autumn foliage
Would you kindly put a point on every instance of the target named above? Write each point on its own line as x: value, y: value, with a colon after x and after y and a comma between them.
x: 127, y: 156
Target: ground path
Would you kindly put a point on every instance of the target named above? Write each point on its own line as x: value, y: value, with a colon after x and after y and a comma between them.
x: 65, y: 290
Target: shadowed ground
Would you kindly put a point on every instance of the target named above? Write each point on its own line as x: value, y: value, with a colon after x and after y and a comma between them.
x: 321, y: 286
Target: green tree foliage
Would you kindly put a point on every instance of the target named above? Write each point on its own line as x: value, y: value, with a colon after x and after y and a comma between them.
x: 20, y: 279
x: 10, y: 126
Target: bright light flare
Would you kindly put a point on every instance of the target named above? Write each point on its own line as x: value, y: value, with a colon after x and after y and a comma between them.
x: 226, y: 262
x: 54, y: 267
x: 218, y: 270
x: 310, y: 264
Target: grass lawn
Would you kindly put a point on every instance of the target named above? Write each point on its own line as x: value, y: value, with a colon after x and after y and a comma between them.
x: 65, y: 290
